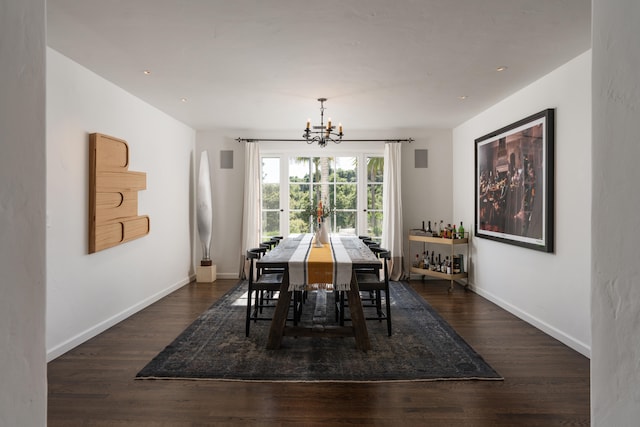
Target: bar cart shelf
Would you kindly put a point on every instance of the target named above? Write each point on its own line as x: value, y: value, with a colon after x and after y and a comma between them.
x: 452, y: 244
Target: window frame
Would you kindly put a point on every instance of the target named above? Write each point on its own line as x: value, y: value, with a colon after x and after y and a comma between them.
x: 361, y: 153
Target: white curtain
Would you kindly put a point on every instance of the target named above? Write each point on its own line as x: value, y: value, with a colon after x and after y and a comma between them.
x: 251, y: 218
x: 392, y: 227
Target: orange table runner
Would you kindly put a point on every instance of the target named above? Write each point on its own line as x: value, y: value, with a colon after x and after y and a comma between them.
x: 322, y: 267
x: 320, y: 264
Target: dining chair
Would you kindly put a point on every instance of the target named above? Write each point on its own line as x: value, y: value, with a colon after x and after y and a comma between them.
x: 374, y: 246
x: 258, y: 285
x: 370, y: 281
x: 370, y: 243
x: 339, y: 297
x: 264, y: 296
x: 269, y: 244
x: 262, y: 291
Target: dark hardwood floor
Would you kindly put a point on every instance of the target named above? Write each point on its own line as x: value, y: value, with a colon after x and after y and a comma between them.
x: 545, y: 382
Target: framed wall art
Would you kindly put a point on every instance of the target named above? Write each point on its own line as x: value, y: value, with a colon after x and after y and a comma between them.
x: 514, y: 173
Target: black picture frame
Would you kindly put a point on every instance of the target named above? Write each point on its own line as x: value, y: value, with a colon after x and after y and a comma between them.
x: 514, y: 183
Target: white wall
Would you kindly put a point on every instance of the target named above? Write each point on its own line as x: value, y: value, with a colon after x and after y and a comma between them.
x: 550, y: 291
x: 427, y: 192
x: 227, y: 187
x: 23, y: 388
x: 87, y: 293
x: 615, y: 322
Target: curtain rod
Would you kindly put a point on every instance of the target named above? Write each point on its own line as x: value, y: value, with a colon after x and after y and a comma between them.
x: 409, y: 140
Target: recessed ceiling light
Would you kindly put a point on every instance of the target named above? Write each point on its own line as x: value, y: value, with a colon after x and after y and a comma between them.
x: 183, y: 99
x: 462, y: 97
x: 502, y: 68
x: 146, y: 72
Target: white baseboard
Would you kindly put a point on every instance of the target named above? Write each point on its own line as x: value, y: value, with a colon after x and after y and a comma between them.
x: 568, y: 340
x: 75, y: 341
x: 228, y: 275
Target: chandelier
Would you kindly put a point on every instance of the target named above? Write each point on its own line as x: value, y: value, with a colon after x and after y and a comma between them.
x: 323, y: 134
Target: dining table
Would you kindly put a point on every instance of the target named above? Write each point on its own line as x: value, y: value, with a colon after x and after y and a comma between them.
x: 309, y: 265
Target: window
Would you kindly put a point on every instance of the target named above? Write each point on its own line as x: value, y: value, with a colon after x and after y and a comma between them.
x: 349, y: 185
x: 270, y: 197
x: 375, y: 173
x: 344, y: 183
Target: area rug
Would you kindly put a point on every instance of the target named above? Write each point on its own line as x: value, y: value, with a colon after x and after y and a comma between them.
x: 423, y: 347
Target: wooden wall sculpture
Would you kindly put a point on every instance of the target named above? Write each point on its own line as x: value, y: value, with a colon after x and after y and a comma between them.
x: 113, y: 194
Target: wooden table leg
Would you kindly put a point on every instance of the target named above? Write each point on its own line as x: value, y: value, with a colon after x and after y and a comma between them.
x: 280, y: 316
x: 357, y: 316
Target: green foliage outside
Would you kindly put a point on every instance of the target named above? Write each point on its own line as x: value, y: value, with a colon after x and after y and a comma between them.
x: 338, y: 187
x: 270, y: 218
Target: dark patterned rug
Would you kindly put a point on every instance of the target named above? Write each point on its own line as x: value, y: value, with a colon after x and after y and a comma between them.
x: 423, y: 347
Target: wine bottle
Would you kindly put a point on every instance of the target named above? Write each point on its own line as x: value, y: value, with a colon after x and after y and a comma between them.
x: 461, y: 230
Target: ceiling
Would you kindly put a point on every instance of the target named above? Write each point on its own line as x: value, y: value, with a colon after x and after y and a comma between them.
x: 262, y: 64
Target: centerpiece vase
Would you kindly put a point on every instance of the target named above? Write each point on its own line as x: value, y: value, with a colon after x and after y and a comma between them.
x: 324, y: 231
x: 318, y: 239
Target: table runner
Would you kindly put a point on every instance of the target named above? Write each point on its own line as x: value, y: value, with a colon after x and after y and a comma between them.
x: 319, y: 267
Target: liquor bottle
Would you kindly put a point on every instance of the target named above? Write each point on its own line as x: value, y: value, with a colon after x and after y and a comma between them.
x: 461, y: 230
x: 455, y: 232
x: 425, y: 261
x: 417, y: 263
x: 441, y: 228
x: 429, y: 229
x: 437, y: 228
x: 447, y: 264
x: 456, y: 264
